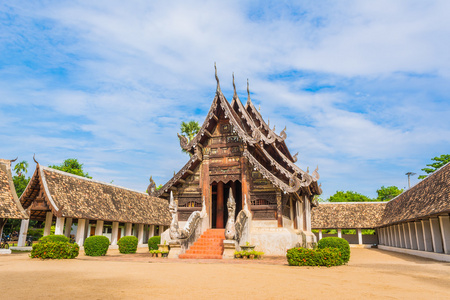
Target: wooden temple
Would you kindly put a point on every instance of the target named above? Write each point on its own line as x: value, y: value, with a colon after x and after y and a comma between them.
x: 236, y: 150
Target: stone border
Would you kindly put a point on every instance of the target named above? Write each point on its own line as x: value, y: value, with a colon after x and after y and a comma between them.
x: 431, y: 255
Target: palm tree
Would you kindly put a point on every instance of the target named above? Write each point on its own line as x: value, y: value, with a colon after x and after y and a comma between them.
x: 189, y: 130
x: 21, y: 168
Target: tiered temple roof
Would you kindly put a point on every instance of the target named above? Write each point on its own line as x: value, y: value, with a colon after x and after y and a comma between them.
x: 68, y: 195
x: 10, y: 207
x: 265, y: 150
x: 429, y: 197
x: 347, y: 215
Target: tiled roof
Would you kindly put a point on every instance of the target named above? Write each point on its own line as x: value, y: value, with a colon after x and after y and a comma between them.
x: 431, y: 196
x: 10, y: 207
x: 347, y: 215
x: 73, y: 196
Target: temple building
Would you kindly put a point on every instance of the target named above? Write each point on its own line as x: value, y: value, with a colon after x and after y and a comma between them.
x: 10, y: 207
x: 237, y: 152
x: 80, y: 207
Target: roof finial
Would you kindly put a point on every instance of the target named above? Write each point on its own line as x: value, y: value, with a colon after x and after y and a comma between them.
x: 13, y: 160
x: 217, y: 79
x: 248, y: 93
x: 234, y: 87
x: 34, y: 158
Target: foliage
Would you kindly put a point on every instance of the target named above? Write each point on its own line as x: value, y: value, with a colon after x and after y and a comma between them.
x: 54, y: 238
x: 335, y: 242
x: 153, y: 242
x: 314, y: 257
x: 247, y: 254
x: 96, y: 245
x: 154, y: 251
x: 387, y: 193
x: 21, y: 167
x: 348, y: 196
x: 190, y: 129
x: 71, y: 165
x: 127, y: 244
x: 36, y: 233
x: 20, y: 183
x: 439, y: 162
x: 55, y: 250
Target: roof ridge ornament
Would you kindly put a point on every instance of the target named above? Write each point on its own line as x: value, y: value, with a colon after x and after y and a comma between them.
x: 234, y: 88
x: 283, y: 134
x: 248, y: 94
x: 13, y: 160
x: 34, y: 158
x: 294, y: 158
x: 217, y: 79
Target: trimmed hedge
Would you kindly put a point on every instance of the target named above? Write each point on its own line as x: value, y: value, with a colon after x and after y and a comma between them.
x: 96, y: 245
x: 55, y: 250
x: 335, y: 242
x: 128, y: 244
x: 153, y: 242
x: 54, y: 238
x: 314, y: 257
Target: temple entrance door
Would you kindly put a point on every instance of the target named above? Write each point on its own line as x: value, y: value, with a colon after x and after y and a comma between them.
x: 220, y: 193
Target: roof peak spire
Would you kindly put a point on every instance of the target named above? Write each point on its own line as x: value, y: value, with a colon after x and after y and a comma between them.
x: 234, y: 88
x: 217, y: 79
x: 248, y: 93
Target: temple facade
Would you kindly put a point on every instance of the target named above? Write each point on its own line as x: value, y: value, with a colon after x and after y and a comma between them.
x: 237, y: 155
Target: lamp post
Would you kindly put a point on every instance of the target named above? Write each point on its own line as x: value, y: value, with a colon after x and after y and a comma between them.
x: 409, y: 175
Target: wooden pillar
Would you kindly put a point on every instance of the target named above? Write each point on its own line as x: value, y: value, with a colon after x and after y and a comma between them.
x: 436, y: 236
x: 426, y: 229
x: 205, y: 186
x: 245, y: 194
x: 81, y: 226
x: 99, y: 228
x: 23, y: 232
x: 412, y: 235
x: 279, y: 210
x: 444, y: 221
x: 140, y: 234
x: 419, y: 236
x: 59, y: 225
x: 128, y: 229
x: 339, y: 233
x: 114, y: 233
x: 151, y: 231
x: 68, y: 227
x: 220, y: 205
x: 359, y: 232
x: 48, y: 223
x: 406, y: 236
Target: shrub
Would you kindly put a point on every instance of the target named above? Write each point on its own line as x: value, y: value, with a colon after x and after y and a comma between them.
x: 314, y: 257
x: 54, y: 250
x: 127, y: 244
x: 335, y: 242
x: 54, y: 238
x: 153, y: 242
x: 96, y: 245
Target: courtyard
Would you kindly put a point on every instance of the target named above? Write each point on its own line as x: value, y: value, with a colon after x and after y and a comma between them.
x: 371, y: 273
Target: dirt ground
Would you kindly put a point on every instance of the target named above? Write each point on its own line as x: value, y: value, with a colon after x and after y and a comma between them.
x: 371, y: 273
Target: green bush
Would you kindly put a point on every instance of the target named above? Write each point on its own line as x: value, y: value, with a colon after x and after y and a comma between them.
x: 54, y: 238
x: 96, y: 245
x: 54, y: 250
x: 127, y: 244
x: 153, y: 242
x: 335, y: 242
x: 314, y: 257
x: 36, y: 233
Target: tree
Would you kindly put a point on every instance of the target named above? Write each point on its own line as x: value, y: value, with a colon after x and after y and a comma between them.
x: 387, y: 193
x: 21, y: 167
x: 348, y: 196
x: 71, y: 165
x: 190, y: 129
x: 439, y: 162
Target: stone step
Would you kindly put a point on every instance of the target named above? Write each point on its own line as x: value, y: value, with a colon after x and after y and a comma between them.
x: 199, y: 256
x: 208, y: 246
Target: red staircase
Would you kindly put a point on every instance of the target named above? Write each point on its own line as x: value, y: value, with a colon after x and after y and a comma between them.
x: 208, y: 246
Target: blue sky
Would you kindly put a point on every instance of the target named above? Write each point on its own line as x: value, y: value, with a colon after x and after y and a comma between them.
x: 362, y: 86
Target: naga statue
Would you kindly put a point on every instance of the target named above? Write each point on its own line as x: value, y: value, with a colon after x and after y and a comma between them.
x: 241, y: 220
x: 182, y: 234
x: 230, y: 229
